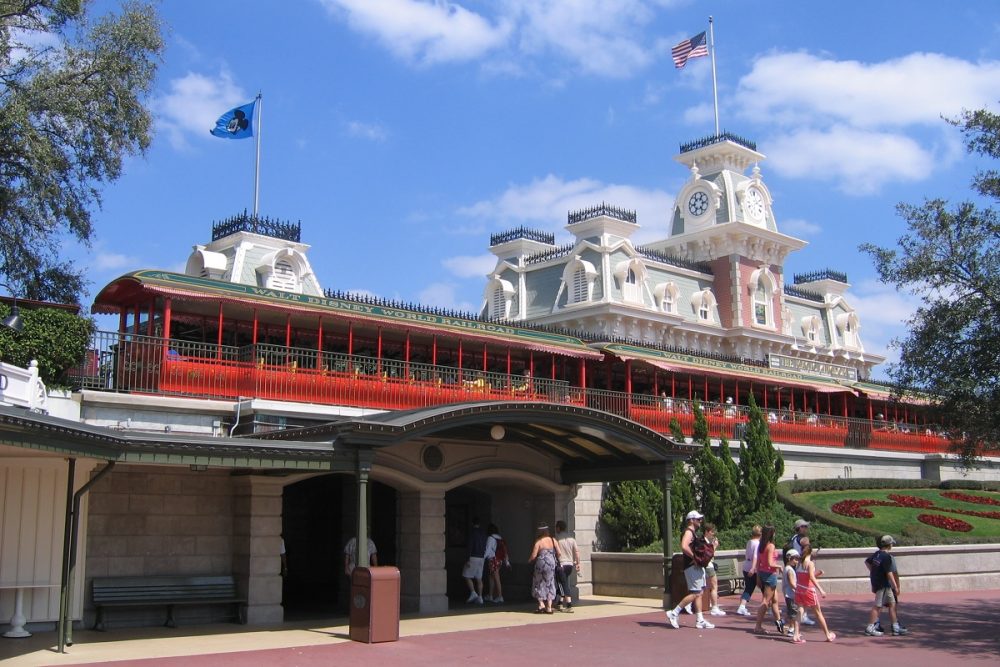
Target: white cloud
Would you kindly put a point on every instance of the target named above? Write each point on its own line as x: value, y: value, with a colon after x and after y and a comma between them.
x: 110, y: 261
x: 860, y: 161
x: 545, y: 203
x: 444, y: 295
x: 470, y: 266
x: 194, y: 103
x: 423, y: 32
x: 883, y: 313
x: 797, y: 88
x: 371, y: 131
x: 600, y: 37
x: 798, y: 227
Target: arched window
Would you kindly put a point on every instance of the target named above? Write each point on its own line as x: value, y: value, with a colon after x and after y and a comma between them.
x: 762, y: 285
x: 760, y: 305
x: 847, y: 327
x: 284, y: 277
x: 631, y: 273
x: 499, y: 298
x: 810, y: 328
x: 666, y: 296
x: 704, y: 304
x: 578, y: 278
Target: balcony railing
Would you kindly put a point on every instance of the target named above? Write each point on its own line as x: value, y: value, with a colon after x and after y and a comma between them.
x: 149, y: 365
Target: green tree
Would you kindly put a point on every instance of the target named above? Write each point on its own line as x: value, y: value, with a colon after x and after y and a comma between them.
x: 57, y: 339
x: 711, y: 477
x: 633, y: 511
x: 729, y: 482
x: 761, y: 465
x: 682, y: 498
x: 675, y: 430
x: 71, y: 108
x: 950, y: 258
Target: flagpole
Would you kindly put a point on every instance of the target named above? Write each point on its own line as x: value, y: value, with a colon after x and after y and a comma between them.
x: 256, y: 169
x: 715, y: 87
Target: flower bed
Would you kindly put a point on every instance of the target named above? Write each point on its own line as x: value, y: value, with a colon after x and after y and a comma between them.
x: 856, y: 508
x: 969, y: 498
x: 910, y: 501
x: 947, y: 523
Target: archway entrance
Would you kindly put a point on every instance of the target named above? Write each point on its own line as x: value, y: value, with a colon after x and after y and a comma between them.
x: 318, y: 517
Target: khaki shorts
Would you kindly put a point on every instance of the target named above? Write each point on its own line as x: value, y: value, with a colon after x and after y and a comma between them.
x: 884, y: 597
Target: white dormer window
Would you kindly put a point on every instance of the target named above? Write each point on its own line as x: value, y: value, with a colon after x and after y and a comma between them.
x: 581, y: 286
x: 631, y: 274
x: 666, y: 296
x: 578, y: 278
x: 282, y: 270
x: 499, y: 298
x: 284, y: 277
x: 704, y: 304
x: 847, y: 327
x: 810, y: 328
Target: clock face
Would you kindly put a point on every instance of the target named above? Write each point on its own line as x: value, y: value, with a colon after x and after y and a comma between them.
x: 753, y: 202
x: 698, y: 203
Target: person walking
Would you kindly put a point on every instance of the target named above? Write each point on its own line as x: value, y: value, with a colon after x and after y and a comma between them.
x: 496, y: 558
x: 569, y: 562
x: 801, y: 531
x: 807, y: 586
x: 472, y: 571
x: 694, y: 575
x: 749, y: 571
x: 885, y: 585
x: 711, y: 576
x: 767, y: 579
x: 789, y: 583
x: 544, y: 556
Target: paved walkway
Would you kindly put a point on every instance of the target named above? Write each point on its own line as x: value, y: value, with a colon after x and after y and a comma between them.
x: 946, y: 629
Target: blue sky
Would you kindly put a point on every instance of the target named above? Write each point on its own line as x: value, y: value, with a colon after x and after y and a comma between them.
x: 402, y: 133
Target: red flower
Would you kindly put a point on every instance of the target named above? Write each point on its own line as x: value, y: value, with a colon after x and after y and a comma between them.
x: 938, y: 521
x: 853, y: 508
x: 968, y: 498
x: 910, y: 501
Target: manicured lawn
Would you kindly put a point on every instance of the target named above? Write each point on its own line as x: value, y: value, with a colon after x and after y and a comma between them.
x: 903, y: 520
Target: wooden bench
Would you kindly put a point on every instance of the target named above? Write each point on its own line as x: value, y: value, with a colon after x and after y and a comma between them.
x: 166, y: 591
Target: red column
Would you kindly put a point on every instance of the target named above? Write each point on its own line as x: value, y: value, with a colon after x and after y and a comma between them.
x: 167, y: 307
x: 628, y: 376
x: 434, y: 350
x: 378, y: 350
x: 319, y: 345
x: 218, y: 349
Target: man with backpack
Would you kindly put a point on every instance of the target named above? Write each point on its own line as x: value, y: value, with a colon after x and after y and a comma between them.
x: 497, y: 557
x: 697, y: 554
x: 885, y: 585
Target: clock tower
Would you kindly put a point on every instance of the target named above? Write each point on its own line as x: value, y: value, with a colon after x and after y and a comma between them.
x: 723, y: 216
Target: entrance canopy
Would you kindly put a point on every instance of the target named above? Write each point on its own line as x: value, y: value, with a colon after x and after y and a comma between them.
x: 592, y: 445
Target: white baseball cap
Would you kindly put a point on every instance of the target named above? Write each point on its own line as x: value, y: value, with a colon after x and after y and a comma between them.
x: 694, y: 514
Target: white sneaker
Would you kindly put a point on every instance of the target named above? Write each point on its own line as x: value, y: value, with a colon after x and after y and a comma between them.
x: 704, y: 625
x: 672, y: 618
x: 479, y: 599
x: 687, y: 608
x: 807, y: 620
x: 715, y: 611
x: 742, y: 611
x: 472, y: 598
x: 498, y: 600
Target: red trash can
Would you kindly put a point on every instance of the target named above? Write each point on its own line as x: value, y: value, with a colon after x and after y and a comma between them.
x: 374, y: 604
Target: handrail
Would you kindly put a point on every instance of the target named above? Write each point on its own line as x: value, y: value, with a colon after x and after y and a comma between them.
x: 133, y: 363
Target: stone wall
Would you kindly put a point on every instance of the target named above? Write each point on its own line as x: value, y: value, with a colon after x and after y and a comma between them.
x: 921, y: 569
x: 147, y: 520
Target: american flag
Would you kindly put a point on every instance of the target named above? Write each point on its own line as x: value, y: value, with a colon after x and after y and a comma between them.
x: 689, y: 48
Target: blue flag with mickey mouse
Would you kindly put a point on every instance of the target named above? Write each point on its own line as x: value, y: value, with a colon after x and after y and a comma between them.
x: 236, y: 123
